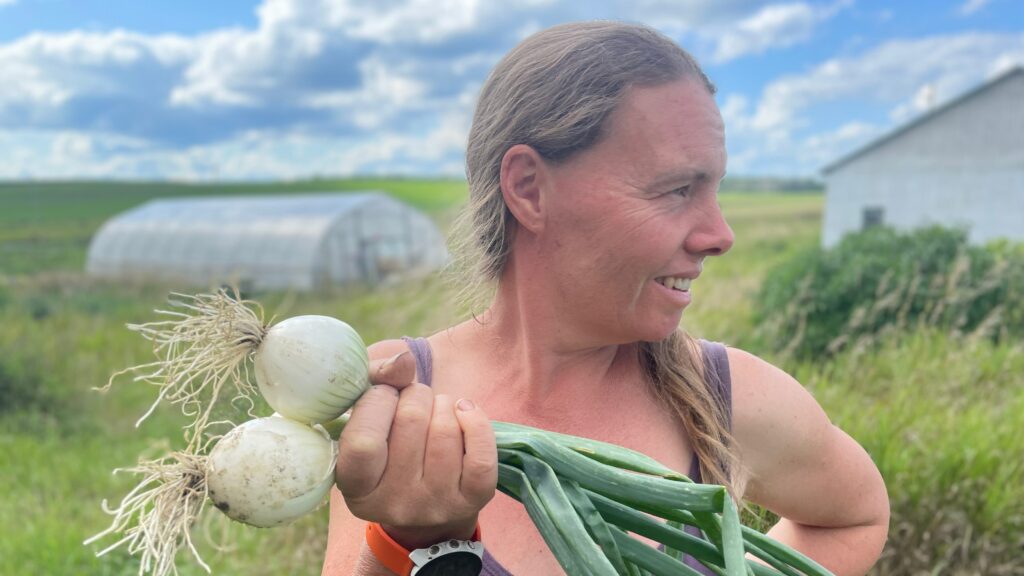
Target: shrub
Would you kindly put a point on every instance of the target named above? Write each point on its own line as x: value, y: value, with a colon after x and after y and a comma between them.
x: 36, y: 393
x: 823, y: 301
x: 23, y: 383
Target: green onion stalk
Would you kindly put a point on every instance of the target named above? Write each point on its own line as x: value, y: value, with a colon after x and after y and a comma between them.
x: 589, y: 500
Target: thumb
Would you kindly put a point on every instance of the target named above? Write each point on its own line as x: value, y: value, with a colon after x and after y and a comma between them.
x: 480, y: 461
x: 398, y: 371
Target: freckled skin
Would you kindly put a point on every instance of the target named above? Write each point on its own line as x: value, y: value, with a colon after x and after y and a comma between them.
x: 613, y: 230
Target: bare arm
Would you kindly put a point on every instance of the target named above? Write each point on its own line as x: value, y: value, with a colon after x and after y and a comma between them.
x: 412, y: 462
x: 826, y: 489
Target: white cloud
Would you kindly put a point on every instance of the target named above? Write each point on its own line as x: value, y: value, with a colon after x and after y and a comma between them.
x: 823, y: 148
x: 890, y: 74
x: 65, y: 154
x: 383, y: 93
x: 209, y: 77
x: 971, y: 6
x: 254, y: 154
x: 68, y: 96
x: 773, y: 26
x: 341, y: 86
x: 735, y: 112
x: 414, y: 21
x: 44, y: 71
x: 734, y: 28
x: 71, y: 145
x: 688, y: 15
x: 298, y: 39
x: 776, y: 134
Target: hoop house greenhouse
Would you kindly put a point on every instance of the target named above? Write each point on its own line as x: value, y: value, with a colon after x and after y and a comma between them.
x: 301, y: 242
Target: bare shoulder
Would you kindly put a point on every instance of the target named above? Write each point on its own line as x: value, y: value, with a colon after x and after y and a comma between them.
x: 767, y: 400
x: 797, y: 463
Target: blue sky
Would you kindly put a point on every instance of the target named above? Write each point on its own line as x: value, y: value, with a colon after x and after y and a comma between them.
x: 291, y: 89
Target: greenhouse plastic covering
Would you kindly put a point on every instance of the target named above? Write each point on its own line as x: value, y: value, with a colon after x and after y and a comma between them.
x: 300, y: 242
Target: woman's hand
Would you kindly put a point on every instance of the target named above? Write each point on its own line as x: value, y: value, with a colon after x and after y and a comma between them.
x: 421, y: 464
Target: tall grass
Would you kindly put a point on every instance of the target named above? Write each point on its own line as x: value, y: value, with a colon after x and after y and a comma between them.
x: 943, y: 417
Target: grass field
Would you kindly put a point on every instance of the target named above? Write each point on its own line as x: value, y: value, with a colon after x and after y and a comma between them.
x: 941, y: 416
x: 48, y: 226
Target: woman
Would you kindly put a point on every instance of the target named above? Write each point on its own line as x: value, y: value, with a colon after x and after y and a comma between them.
x: 593, y: 164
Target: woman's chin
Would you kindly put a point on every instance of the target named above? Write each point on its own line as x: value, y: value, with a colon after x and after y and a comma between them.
x: 661, y: 330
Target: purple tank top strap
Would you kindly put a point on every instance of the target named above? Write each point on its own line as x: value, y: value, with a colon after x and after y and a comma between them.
x: 420, y: 349
x: 491, y: 566
x: 716, y: 369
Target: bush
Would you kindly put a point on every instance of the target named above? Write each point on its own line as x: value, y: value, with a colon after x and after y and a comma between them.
x: 23, y: 384
x: 36, y: 394
x: 878, y: 281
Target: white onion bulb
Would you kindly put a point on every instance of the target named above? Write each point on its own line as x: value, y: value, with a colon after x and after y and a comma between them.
x: 270, y: 471
x: 312, y: 368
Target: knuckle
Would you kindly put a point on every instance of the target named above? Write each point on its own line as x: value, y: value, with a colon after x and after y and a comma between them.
x: 476, y: 425
x: 445, y: 432
x: 378, y: 394
x: 358, y: 449
x: 411, y: 414
x: 479, y: 492
x: 416, y: 390
x: 383, y: 394
x: 478, y: 466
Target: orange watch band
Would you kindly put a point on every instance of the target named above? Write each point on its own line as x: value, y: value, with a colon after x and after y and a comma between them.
x: 391, y: 554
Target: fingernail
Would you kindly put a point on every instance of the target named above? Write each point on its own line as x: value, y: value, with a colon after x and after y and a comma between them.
x: 465, y: 405
x: 393, y: 359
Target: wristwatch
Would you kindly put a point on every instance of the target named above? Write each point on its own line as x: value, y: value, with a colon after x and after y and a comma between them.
x: 448, y: 558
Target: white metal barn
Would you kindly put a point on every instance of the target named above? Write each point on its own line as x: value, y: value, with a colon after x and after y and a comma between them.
x: 959, y: 165
x: 299, y: 242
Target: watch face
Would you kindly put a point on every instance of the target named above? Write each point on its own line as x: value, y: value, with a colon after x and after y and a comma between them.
x: 453, y: 564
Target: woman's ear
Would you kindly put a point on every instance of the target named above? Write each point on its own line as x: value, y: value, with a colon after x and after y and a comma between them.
x: 524, y: 181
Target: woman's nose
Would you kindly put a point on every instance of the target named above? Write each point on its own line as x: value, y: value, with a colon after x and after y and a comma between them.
x: 711, y: 235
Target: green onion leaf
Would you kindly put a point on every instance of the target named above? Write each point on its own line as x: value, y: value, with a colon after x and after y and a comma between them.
x: 595, y: 524
x: 550, y: 495
x: 648, y: 558
x: 513, y: 482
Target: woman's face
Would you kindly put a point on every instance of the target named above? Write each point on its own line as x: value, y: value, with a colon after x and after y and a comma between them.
x: 632, y: 218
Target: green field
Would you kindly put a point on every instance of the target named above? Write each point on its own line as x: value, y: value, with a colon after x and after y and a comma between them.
x: 941, y: 416
x: 47, y: 227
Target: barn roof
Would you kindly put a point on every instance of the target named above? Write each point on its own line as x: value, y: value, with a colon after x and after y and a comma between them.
x: 899, y: 131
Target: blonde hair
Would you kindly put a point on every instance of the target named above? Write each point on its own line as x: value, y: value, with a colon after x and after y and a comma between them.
x: 554, y: 92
